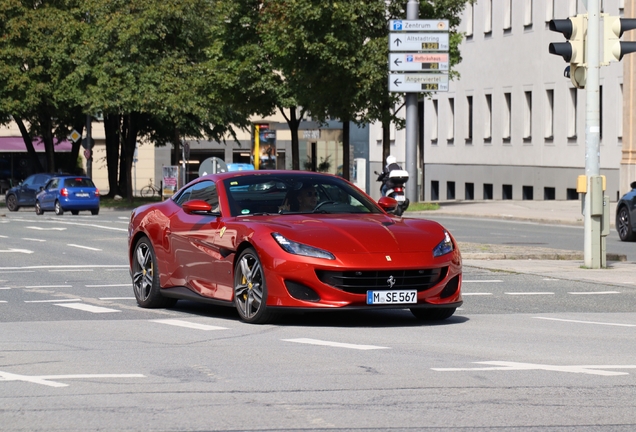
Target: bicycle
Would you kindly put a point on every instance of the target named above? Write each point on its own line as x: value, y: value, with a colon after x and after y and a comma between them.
x: 150, y: 190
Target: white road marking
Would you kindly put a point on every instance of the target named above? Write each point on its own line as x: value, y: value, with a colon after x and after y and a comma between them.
x: 14, y: 272
x: 83, y: 247
x: 72, y: 270
x: 117, y: 298
x: 529, y: 293
x: 5, y: 288
x: 1, y: 236
x: 32, y: 239
x: 46, y: 229
x: 475, y: 294
x: 180, y: 323
x: 593, y: 292
x: 106, y: 286
x: 334, y: 344
x: 53, y: 301
x: 482, y: 281
x: 513, y: 366
x: 49, y: 286
x: 88, y: 308
x: 24, y: 251
x: 550, y: 279
x: 586, y: 322
x: 3, y: 301
x: 47, y: 379
x: 44, y: 267
x: 68, y: 222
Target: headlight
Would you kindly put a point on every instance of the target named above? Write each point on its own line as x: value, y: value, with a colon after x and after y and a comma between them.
x: 444, y: 247
x: 301, y: 249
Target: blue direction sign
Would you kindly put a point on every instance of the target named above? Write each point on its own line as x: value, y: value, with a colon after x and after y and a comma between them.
x: 418, y: 42
x: 418, y: 82
x: 414, y: 62
x: 418, y: 25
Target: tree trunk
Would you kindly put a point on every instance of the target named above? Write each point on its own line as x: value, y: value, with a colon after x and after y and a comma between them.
x: 130, y: 143
x: 112, y: 123
x: 346, y: 146
x: 123, y: 132
x: 46, y: 126
x: 36, y: 166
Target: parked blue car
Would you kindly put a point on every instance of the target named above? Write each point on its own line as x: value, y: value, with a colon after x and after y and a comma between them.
x: 68, y: 193
x: 24, y: 194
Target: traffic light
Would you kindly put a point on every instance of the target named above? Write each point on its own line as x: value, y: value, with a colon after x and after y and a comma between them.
x: 613, y: 29
x: 575, y: 31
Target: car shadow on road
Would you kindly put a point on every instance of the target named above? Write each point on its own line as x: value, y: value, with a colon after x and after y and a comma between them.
x: 341, y: 318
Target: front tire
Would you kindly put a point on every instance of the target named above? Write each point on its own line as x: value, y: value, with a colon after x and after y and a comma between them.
x: 624, y: 225
x: 250, y: 290
x: 58, y: 208
x: 12, y: 203
x: 38, y: 209
x: 433, y: 314
x: 145, y: 277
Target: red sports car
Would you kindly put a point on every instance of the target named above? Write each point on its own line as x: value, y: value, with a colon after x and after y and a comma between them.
x: 272, y: 241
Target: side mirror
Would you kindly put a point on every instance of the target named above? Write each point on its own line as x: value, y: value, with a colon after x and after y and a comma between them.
x: 388, y: 204
x: 198, y: 206
x: 41, y: 188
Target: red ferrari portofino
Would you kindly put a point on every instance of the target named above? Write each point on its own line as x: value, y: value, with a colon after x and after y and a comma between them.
x: 272, y: 241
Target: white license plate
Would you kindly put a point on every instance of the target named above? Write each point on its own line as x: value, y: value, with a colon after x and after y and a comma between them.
x: 391, y: 297
x: 400, y: 198
x: 82, y: 195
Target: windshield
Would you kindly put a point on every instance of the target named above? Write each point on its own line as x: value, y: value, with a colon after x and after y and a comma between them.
x: 293, y: 194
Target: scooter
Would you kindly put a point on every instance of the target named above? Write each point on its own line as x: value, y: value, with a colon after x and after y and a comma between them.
x: 396, y: 181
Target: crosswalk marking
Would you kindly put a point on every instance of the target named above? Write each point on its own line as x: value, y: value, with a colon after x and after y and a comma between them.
x: 87, y: 308
x: 187, y: 324
x: 334, y: 344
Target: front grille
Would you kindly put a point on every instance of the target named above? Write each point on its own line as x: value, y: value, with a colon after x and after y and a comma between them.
x: 359, y: 282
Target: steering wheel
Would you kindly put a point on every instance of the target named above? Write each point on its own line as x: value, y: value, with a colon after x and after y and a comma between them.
x: 320, y: 204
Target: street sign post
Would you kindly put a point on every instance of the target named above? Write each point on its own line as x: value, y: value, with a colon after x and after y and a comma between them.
x: 418, y: 42
x: 418, y: 83
x: 418, y: 62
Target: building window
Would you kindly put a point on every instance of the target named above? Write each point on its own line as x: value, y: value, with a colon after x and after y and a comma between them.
x: 469, y: 132
x: 469, y: 191
x: 549, y: 12
x: 527, y: 13
x: 488, y: 119
x: 506, y: 192
x: 507, y: 15
x: 527, y: 193
x: 549, y: 193
x: 507, y: 120
x: 451, y: 120
x: 435, y: 125
x: 527, y: 117
x: 488, y: 17
x: 572, y: 114
x: 549, y: 114
x: 450, y: 190
x: 488, y: 191
x: 434, y: 190
x: 571, y: 194
x: 470, y: 20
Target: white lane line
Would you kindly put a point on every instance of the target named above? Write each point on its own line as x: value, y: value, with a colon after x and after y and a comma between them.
x: 68, y: 222
x: 482, y: 281
x: 72, y: 270
x: 1, y: 236
x: 593, y: 292
x: 47, y: 379
x: 49, y: 286
x: 5, y: 288
x: 514, y: 366
x: 334, y: 344
x: 32, y: 239
x: 586, y: 322
x: 117, y: 298
x: 13, y: 272
x: 83, y: 247
x: 3, y: 301
x: 53, y: 301
x: 550, y: 279
x: 46, y: 229
x: 45, y: 267
x: 475, y: 294
x: 88, y: 308
x: 24, y: 251
x: 529, y: 293
x: 106, y: 286
x: 180, y: 323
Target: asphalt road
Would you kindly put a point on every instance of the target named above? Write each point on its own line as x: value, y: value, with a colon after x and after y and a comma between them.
x: 77, y: 354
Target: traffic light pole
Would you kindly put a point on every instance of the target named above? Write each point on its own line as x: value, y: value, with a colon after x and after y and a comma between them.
x: 592, y: 219
x: 412, y: 13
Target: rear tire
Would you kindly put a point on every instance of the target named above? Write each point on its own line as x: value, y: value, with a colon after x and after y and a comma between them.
x: 145, y: 277
x: 75, y: 212
x: 58, y: 208
x: 95, y: 212
x: 624, y: 225
x: 433, y: 314
x: 12, y: 203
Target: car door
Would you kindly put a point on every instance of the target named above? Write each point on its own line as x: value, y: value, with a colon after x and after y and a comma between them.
x: 49, y: 194
x: 25, y: 192
x: 191, y: 238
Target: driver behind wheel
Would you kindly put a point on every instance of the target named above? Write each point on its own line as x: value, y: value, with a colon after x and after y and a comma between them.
x: 301, y: 200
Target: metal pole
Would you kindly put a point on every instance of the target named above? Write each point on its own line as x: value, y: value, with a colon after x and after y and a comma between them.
x: 412, y: 13
x: 592, y: 222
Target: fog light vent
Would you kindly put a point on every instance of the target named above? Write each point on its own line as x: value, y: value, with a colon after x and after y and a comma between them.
x: 450, y: 288
x: 301, y: 292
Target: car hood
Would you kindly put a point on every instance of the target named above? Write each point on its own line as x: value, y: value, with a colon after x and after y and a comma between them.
x: 372, y: 233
